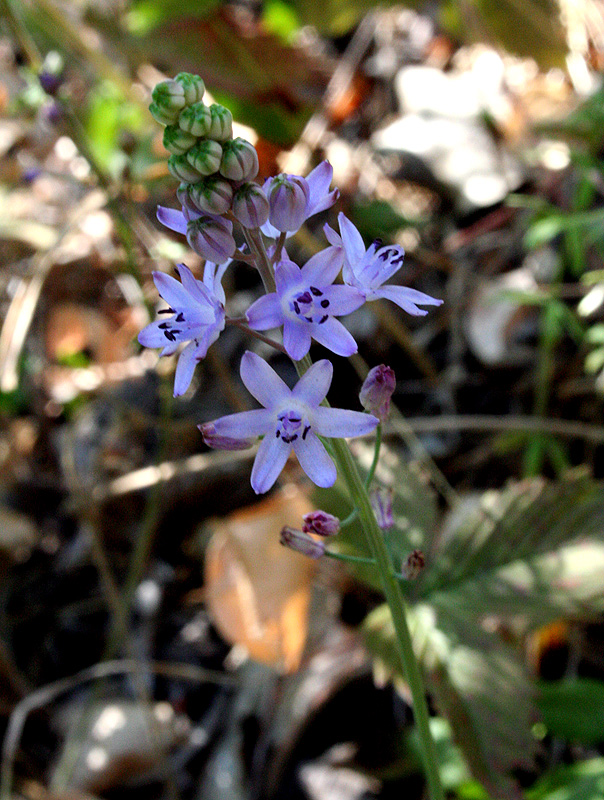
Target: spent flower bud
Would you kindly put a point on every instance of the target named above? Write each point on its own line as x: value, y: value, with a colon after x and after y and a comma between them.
x: 221, y: 123
x: 181, y: 169
x: 169, y: 98
x: 302, y: 542
x: 177, y: 141
x: 321, y: 523
x: 212, y: 195
x: 195, y: 119
x: 239, y: 160
x: 205, y: 157
x: 414, y: 564
x: 220, y: 442
x: 376, y: 391
x: 212, y: 238
x: 250, y: 205
x: 288, y: 197
x: 381, y: 503
x: 193, y: 86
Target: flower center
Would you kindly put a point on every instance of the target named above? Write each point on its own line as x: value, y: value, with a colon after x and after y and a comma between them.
x: 291, y: 425
x: 309, y: 305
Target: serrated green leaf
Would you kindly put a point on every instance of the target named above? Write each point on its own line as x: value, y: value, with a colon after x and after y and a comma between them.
x: 573, y: 709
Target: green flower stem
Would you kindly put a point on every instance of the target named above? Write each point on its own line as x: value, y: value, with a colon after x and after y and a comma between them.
x: 347, y: 468
x: 350, y: 559
x: 394, y: 597
x: 376, y: 456
x: 349, y: 519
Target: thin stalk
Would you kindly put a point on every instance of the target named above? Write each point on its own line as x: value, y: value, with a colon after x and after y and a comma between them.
x: 266, y: 339
x: 376, y: 456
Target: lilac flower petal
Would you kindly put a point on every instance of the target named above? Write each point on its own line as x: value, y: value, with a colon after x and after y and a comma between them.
x: 333, y: 335
x: 244, y: 424
x: 185, y: 369
x: 287, y: 275
x: 407, y: 298
x: 314, y: 384
x: 261, y: 381
x: 265, y: 313
x: 196, y: 289
x: 352, y: 239
x: 153, y: 336
x: 169, y: 349
x: 315, y: 461
x: 332, y: 237
x: 269, y: 230
x: 343, y: 299
x: 173, y: 219
x: 212, y: 278
x: 270, y: 460
x: 319, y: 181
x: 296, y: 338
x: 342, y: 423
x: 323, y: 268
x: 176, y: 295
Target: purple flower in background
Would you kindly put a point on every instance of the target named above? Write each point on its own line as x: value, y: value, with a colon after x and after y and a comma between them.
x: 197, y: 317
x: 376, y: 391
x: 317, y: 198
x: 368, y: 269
x: 321, y: 523
x: 290, y: 419
x: 381, y: 502
x: 210, y: 236
x: 307, y: 304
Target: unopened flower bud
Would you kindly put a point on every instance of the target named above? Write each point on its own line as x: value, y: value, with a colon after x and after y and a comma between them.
x: 377, y: 390
x: 381, y: 503
x: 218, y: 442
x: 205, y: 156
x: 161, y: 116
x: 288, y: 197
x: 195, y: 119
x: 193, y: 86
x: 414, y: 564
x: 320, y: 522
x: 239, y: 160
x: 50, y: 81
x: 169, y: 97
x: 177, y: 141
x: 183, y: 193
x: 182, y: 170
x: 212, y: 195
x: 212, y: 238
x: 221, y: 123
x: 302, y: 542
x: 250, y: 205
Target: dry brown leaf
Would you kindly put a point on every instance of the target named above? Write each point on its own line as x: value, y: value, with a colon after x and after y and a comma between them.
x: 258, y: 592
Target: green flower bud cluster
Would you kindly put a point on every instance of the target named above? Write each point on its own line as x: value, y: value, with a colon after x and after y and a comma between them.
x: 209, y: 163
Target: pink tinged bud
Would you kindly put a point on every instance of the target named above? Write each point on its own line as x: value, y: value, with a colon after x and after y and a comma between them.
x: 302, y: 543
x: 169, y: 98
x: 288, y: 198
x: 205, y: 157
x: 176, y: 141
x: 221, y: 123
x: 195, y: 119
x: 211, y: 238
x: 183, y: 193
x: 212, y: 195
x: 414, y: 564
x: 250, y: 205
x: 381, y: 503
x: 181, y: 169
x: 193, y: 87
x: 321, y: 523
x: 239, y: 160
x: 377, y: 390
x: 218, y: 442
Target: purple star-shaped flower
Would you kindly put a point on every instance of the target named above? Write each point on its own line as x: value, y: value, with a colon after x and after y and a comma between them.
x: 197, y: 316
x: 290, y: 419
x: 368, y: 269
x: 318, y: 198
x: 307, y: 304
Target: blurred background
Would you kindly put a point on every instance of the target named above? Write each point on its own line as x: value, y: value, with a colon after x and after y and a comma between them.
x: 155, y: 639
